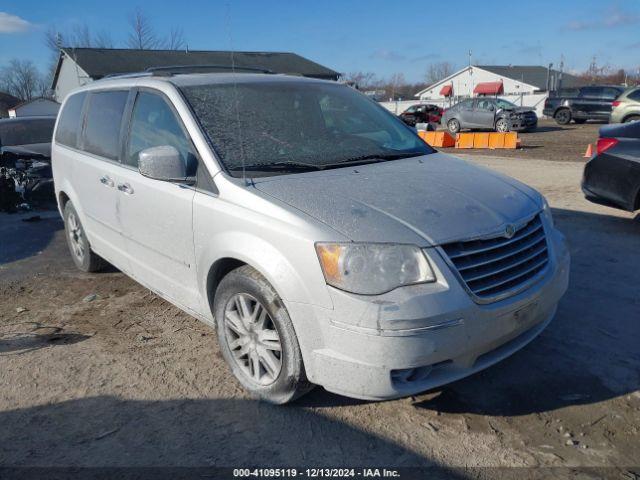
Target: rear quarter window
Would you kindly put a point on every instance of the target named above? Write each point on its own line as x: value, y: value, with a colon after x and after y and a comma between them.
x: 70, y: 122
x: 634, y: 95
x: 104, y: 118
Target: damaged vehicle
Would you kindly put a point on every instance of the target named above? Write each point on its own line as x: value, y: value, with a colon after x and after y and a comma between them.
x: 485, y: 113
x: 25, y: 162
x: 322, y: 238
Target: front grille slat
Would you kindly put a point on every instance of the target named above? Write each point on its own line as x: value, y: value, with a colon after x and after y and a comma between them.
x: 527, y: 244
x: 498, y: 267
x: 510, y: 266
x: 490, y: 244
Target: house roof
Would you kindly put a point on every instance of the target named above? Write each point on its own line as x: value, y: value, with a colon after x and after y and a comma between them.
x: 33, y: 100
x: 7, y: 101
x: 534, y: 75
x: 99, y: 62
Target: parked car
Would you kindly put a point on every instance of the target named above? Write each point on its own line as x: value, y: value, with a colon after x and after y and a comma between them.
x: 582, y: 104
x: 489, y: 113
x: 612, y: 176
x: 25, y: 162
x: 626, y: 108
x: 421, y: 114
x: 30, y: 133
x: 326, y: 242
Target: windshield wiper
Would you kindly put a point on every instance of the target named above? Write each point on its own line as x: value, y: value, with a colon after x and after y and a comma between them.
x: 288, y: 165
x: 373, y: 158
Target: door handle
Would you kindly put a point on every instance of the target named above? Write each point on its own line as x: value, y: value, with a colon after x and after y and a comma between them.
x: 125, y: 188
x: 106, y: 181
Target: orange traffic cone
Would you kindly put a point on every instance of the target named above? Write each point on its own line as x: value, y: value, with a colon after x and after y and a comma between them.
x: 589, y: 152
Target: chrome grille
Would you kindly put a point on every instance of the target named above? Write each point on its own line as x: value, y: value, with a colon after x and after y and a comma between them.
x: 497, y: 267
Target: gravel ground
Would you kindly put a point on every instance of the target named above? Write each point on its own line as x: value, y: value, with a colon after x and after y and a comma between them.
x: 97, y: 370
x: 549, y: 141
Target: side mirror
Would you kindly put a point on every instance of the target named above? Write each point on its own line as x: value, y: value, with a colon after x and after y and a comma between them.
x: 162, y: 163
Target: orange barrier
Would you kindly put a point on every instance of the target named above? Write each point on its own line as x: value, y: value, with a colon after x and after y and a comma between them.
x: 488, y: 140
x: 437, y: 139
x: 589, y: 152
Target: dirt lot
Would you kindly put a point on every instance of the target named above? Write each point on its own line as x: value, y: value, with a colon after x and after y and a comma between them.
x: 96, y: 370
x: 549, y: 141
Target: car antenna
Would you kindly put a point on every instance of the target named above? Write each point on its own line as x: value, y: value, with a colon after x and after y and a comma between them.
x: 235, y: 95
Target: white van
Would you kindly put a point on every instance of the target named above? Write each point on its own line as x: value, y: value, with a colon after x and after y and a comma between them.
x: 326, y: 242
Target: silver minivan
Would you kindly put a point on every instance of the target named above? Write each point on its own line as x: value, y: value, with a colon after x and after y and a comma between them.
x: 321, y: 237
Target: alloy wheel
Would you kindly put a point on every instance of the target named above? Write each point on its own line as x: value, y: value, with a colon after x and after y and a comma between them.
x: 253, y: 339
x: 75, y: 236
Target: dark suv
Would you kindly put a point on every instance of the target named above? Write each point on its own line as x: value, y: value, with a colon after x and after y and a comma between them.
x: 582, y: 104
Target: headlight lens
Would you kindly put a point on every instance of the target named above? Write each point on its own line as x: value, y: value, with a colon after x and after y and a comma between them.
x: 371, y: 268
x: 546, y: 211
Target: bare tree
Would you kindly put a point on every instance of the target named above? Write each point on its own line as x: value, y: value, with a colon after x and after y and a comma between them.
x: 363, y: 80
x: 142, y: 35
x: 22, y: 79
x: 175, y: 40
x: 395, y: 85
x: 78, y: 37
x: 438, y: 71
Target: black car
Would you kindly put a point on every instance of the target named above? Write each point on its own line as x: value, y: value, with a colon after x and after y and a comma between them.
x: 488, y: 113
x: 25, y: 161
x: 612, y: 176
x: 582, y: 104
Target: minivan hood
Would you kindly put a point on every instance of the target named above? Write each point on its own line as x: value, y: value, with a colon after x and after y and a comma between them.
x: 427, y: 200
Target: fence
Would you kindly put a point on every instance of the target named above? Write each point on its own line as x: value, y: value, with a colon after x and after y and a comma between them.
x: 535, y: 101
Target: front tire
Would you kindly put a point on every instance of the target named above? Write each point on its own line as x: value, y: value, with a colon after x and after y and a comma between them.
x: 563, y: 116
x: 502, y: 125
x: 257, y: 338
x: 79, y: 246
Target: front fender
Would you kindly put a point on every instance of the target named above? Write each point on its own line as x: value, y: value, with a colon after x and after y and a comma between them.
x: 289, y: 265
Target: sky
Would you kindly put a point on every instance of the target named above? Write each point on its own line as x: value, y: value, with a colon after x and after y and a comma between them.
x: 377, y: 36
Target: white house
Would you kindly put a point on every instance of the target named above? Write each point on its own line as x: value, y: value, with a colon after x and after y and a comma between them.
x: 37, y: 106
x: 79, y: 66
x: 527, y: 85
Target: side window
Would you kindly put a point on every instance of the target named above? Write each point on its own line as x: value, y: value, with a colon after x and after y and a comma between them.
x: 70, y: 123
x: 153, y: 124
x: 104, y: 118
x: 609, y: 93
x: 411, y: 109
x: 485, y: 104
x: 635, y: 95
x: 591, y: 92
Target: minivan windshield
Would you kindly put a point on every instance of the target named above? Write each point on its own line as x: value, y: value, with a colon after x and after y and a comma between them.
x: 275, y: 127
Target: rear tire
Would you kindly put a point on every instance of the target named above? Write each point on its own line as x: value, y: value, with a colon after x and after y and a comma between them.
x: 453, y: 125
x: 562, y: 116
x: 631, y: 118
x: 79, y: 246
x: 257, y: 338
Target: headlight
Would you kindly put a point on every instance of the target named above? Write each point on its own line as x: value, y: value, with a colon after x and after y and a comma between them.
x: 546, y: 211
x: 370, y: 268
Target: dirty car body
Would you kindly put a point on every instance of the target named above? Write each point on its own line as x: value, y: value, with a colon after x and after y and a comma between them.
x: 401, y: 268
x: 612, y: 176
x: 25, y: 159
x: 487, y: 113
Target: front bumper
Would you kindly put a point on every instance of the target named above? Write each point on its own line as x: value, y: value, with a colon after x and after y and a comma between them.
x: 425, y: 335
x: 521, y: 124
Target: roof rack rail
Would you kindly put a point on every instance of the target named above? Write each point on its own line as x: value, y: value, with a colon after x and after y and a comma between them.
x: 170, y: 70
x: 167, y: 71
